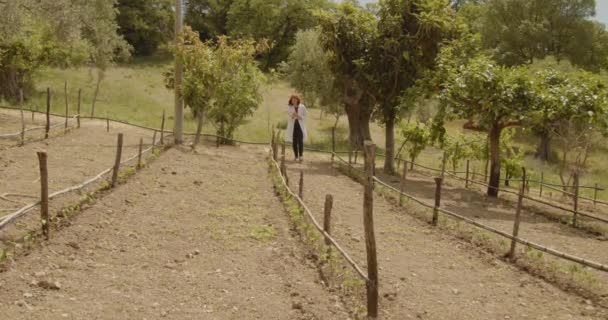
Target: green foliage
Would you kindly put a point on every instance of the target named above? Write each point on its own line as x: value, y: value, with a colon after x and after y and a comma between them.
x: 520, y: 31
x: 460, y: 147
x: 38, y: 33
x: 416, y: 138
x: 220, y: 79
x: 145, y: 24
x: 275, y: 21
x: 307, y: 69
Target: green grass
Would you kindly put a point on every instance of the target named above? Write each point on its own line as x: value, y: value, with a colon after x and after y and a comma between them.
x: 136, y: 93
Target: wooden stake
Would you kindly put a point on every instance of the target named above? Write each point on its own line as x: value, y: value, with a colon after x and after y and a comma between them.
x: 78, y: 111
x: 154, y: 142
x: 22, y: 116
x: 65, y: 92
x: 438, y: 183
x: 32, y: 110
x: 350, y: 156
x: 272, y: 146
x: 275, y: 151
x: 356, y: 155
x: 44, y: 195
x: 141, y: 145
x: 107, y: 124
x: 595, y: 195
x: 370, y: 238
x: 443, y: 162
x: 329, y: 202
x: 466, y: 181
x: 283, y: 167
x: 542, y: 181
x: 333, y: 144
x: 162, y: 130
x: 117, y: 161
x: 517, y: 219
x: 47, y: 128
x: 402, y: 186
x: 301, y: 186
x: 575, y: 216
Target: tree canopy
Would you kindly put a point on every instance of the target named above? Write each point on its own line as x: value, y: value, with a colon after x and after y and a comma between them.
x: 145, y: 24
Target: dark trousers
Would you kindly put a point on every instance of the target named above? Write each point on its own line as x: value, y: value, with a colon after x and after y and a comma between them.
x: 298, y: 140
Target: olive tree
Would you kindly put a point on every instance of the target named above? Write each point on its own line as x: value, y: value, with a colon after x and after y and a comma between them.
x: 221, y: 80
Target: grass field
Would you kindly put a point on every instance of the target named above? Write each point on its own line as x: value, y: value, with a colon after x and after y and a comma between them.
x: 136, y: 93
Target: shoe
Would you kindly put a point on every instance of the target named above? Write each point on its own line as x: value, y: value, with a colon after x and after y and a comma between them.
x: 301, y: 159
x: 297, y: 159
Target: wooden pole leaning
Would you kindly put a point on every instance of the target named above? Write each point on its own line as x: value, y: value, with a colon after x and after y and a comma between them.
x: 402, y: 184
x: 78, y: 111
x: 162, y: 130
x: 370, y: 238
x: 21, y: 102
x: 65, y: 92
x: 44, y: 195
x: 47, y: 128
x: 438, y: 184
x: 329, y: 202
x: 520, y: 199
x: 117, y: 161
x: 576, y: 191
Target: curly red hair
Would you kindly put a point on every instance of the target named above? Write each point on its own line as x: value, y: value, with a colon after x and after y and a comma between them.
x: 295, y: 96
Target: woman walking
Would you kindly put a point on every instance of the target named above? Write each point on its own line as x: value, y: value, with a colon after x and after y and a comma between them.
x: 296, y: 126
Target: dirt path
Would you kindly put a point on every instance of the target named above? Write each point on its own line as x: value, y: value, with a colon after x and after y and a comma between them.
x: 72, y: 158
x: 194, y: 236
x: 425, y: 274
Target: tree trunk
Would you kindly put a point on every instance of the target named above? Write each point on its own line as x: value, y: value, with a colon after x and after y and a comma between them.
x: 494, y: 184
x: 358, y: 124
x: 10, y: 82
x: 100, y: 76
x: 199, y: 128
x: 389, y: 159
x: 543, y: 151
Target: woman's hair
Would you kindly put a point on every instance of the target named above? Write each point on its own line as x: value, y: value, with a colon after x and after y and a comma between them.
x: 294, y: 96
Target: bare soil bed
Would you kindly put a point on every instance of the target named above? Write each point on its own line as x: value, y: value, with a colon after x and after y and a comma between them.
x: 425, y: 274
x: 10, y: 123
x: 72, y: 158
x: 500, y: 214
x: 196, y: 235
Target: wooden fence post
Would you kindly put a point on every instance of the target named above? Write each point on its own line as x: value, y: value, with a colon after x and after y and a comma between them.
x: 466, y: 181
x: 107, y: 123
x: 438, y: 183
x: 370, y: 238
x: 595, y: 195
x: 507, y: 177
x: 542, y: 181
x: 22, y: 116
x: 32, y: 111
x: 141, y: 144
x: 65, y: 92
x: 78, y: 111
x: 44, y: 195
x: 162, y: 130
x: 47, y: 128
x: 575, y: 216
x: 117, y: 161
x: 329, y: 203
x: 333, y: 144
x: 356, y: 155
x: 520, y: 200
x: 301, y: 186
x: 275, y: 151
x: 402, y: 186
x: 272, y: 146
x: 350, y: 156
x: 485, y: 173
x: 283, y: 167
x: 443, y: 162
x: 154, y: 142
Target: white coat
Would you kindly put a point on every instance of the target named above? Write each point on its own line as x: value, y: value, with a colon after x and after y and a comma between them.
x: 290, y: 122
